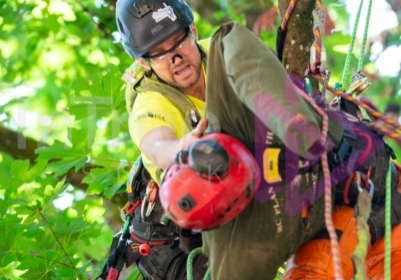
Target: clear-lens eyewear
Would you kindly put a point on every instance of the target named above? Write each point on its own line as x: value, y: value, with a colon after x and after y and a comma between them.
x: 164, y: 56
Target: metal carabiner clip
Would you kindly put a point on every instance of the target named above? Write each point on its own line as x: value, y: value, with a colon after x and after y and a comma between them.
x: 149, y: 199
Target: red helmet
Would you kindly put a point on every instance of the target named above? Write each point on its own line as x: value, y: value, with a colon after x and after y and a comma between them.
x: 210, y: 183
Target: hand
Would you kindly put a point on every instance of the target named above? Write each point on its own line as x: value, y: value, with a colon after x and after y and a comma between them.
x: 194, y: 135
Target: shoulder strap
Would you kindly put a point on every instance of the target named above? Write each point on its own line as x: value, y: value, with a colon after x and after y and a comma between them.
x: 136, y: 76
x: 132, y: 76
x: 181, y: 101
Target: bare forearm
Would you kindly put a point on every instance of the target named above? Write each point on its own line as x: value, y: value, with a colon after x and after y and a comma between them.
x: 161, y: 144
x: 163, y: 152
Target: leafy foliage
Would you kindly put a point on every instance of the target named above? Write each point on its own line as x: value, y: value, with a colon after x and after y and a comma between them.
x: 61, y: 67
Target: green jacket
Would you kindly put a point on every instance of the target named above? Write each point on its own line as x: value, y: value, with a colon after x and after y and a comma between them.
x: 249, y: 90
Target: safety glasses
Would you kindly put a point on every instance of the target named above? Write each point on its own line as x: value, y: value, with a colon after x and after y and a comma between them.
x: 164, y: 57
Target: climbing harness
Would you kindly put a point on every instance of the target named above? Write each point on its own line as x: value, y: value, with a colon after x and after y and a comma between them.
x: 148, y: 238
x: 152, y: 241
x: 346, y: 101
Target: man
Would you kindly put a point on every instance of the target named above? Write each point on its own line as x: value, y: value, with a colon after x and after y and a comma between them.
x: 166, y: 55
x: 250, y: 97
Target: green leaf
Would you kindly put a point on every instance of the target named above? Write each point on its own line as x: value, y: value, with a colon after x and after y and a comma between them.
x: 9, y: 230
x: 6, y: 258
x: 104, y: 180
x: 19, y: 169
x: 61, y: 167
x: 37, y: 170
x: 67, y: 157
x: 57, y: 150
x: 98, y: 96
x: 82, y: 139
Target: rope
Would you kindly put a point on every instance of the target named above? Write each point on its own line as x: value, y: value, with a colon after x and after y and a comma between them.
x: 364, y: 38
x: 287, y: 14
x: 190, y: 260
x: 352, y: 42
x: 328, y: 217
x: 370, y: 110
x: 387, y: 227
x: 351, y: 47
x: 282, y: 30
x: 317, y: 42
x: 316, y: 67
x: 328, y: 207
x: 317, y: 54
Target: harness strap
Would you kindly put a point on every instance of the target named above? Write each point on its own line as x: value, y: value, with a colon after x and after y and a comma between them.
x: 157, y: 263
x: 181, y: 101
x: 117, y: 257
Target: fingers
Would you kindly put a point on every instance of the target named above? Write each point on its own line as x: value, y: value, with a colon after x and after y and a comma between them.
x: 194, y: 135
x: 200, y: 128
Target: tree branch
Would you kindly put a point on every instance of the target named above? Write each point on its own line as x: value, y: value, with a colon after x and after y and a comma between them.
x: 17, y: 145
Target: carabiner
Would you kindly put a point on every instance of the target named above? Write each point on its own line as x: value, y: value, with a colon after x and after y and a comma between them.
x: 149, y: 200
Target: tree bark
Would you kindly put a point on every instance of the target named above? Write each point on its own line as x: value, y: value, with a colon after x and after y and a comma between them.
x: 299, y: 38
x: 17, y: 145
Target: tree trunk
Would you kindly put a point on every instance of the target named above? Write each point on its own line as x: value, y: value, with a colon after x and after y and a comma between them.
x: 299, y: 38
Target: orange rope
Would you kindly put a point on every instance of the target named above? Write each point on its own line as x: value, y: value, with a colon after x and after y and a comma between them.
x: 327, y: 192
x: 328, y: 215
x: 287, y: 14
x: 369, y: 110
x: 318, y: 46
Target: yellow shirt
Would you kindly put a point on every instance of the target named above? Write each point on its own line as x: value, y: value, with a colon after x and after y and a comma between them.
x: 152, y: 110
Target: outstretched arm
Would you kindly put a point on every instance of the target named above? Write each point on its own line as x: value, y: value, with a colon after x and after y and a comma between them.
x: 161, y: 144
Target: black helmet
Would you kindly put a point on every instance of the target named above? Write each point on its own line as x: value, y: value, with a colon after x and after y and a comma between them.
x: 144, y: 24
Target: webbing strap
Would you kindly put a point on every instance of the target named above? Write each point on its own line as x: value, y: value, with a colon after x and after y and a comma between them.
x: 180, y: 100
x: 360, y: 252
